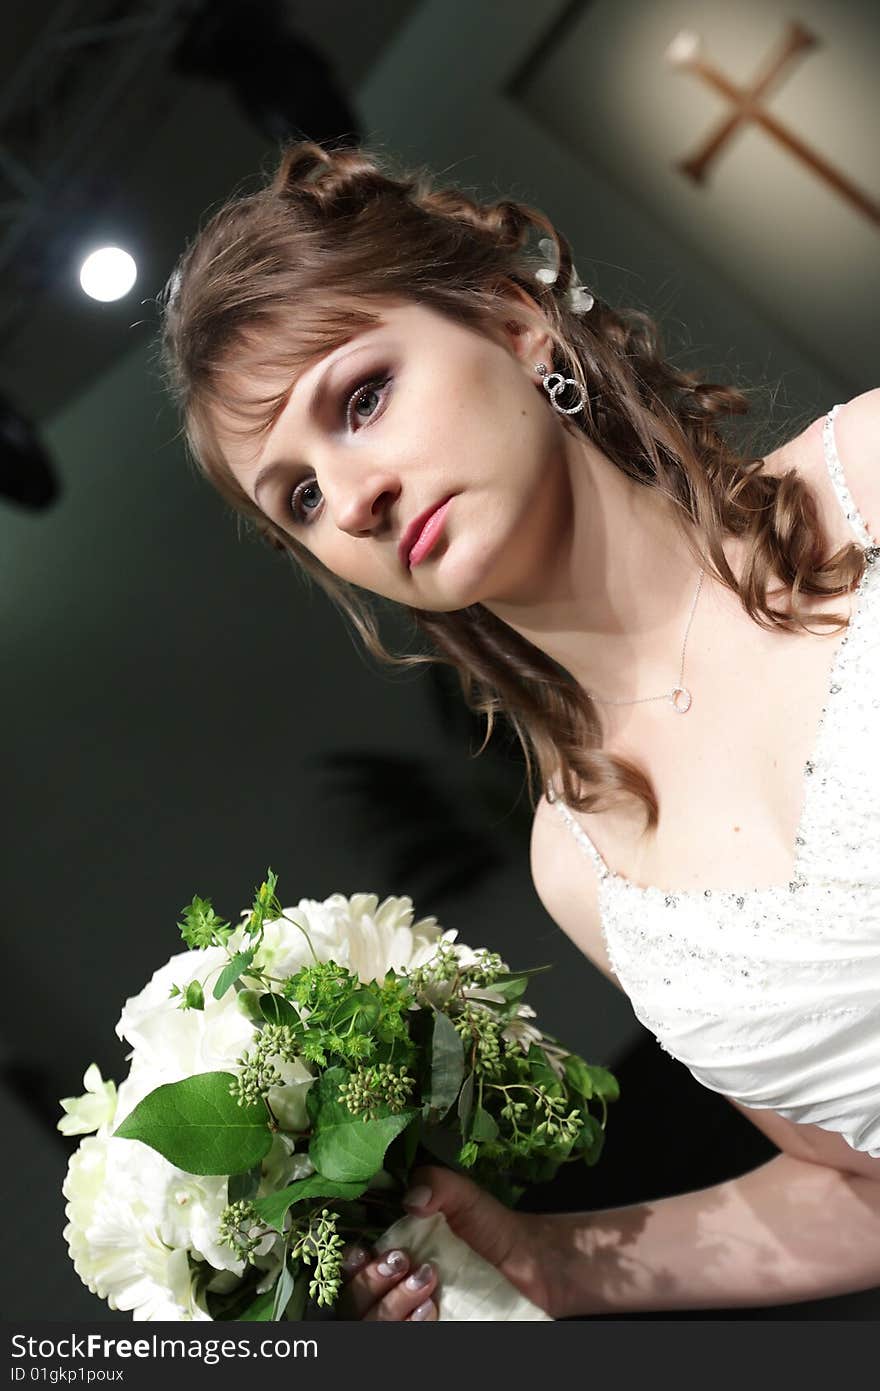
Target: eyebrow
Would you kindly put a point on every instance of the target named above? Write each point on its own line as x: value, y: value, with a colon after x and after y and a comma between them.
x: 313, y: 410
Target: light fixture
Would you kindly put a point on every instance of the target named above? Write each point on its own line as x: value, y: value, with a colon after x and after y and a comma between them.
x: 108, y: 273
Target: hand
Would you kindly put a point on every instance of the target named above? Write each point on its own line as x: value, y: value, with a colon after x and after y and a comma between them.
x: 519, y: 1244
x: 386, y: 1287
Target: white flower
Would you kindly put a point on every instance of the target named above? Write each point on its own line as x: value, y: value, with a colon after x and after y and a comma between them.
x: 357, y: 932
x: 518, y: 1031
x: 171, y: 1043
x: 117, y: 1199
x: 89, y: 1112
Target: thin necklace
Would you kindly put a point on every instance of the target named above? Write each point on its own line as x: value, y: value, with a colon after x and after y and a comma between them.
x: 677, y: 691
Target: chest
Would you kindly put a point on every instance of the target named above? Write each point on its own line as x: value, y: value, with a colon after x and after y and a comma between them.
x: 729, y: 774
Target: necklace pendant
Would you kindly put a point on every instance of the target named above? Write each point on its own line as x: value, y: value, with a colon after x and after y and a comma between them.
x: 681, y: 709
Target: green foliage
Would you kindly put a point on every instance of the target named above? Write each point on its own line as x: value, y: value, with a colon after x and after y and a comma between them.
x: 230, y: 974
x: 272, y: 1209
x: 201, y: 927
x: 197, y: 1126
x: 275, y: 1009
x: 283, y: 1289
x: 243, y: 1187
x: 447, y: 1068
x: 346, y: 1147
x: 192, y: 997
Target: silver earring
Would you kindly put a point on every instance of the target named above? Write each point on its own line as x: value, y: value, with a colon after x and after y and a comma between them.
x: 554, y: 382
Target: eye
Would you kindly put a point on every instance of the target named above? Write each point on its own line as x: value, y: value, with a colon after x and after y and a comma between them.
x: 361, y: 406
x: 301, y: 505
x: 364, y: 402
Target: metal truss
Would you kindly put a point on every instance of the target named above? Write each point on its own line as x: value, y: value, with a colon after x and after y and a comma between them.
x: 88, y: 89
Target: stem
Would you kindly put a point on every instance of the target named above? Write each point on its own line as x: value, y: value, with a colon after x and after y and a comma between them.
x: 304, y: 933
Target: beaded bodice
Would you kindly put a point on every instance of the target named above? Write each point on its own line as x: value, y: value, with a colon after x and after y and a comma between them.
x: 772, y: 995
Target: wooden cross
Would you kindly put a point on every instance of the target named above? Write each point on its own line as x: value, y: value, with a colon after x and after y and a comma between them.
x: 684, y: 53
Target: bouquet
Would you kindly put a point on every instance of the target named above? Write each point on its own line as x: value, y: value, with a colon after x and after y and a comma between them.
x: 286, y: 1075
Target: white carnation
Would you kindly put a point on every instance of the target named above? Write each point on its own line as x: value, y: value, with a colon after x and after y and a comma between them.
x: 117, y: 1204
x: 367, y: 937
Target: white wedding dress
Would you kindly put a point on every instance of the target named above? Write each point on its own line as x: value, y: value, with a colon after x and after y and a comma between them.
x: 772, y: 996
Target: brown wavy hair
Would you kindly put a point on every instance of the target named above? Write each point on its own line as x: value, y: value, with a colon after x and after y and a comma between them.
x: 282, y: 275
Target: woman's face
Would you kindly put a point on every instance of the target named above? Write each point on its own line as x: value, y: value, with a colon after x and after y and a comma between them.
x: 411, y: 414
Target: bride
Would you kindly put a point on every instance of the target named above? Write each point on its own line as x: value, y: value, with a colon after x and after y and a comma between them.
x: 411, y: 398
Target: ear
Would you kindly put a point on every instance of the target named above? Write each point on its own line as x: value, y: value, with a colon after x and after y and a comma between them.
x: 525, y: 333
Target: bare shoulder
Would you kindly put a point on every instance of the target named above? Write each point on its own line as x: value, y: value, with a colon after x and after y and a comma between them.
x: 857, y: 429
x: 857, y: 434
x: 567, y: 885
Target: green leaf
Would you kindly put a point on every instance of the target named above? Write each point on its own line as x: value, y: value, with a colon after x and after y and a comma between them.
x: 296, y: 1308
x: 604, y: 1083
x: 197, y: 1126
x: 260, y: 1311
x: 273, y: 1207
x: 230, y: 973
x: 541, y: 1072
x: 511, y: 987
x: 447, y: 1067
x: 347, y: 1147
x: 590, y: 1140
x: 283, y: 1289
x: 467, y: 1155
x: 443, y: 1141
x: 465, y: 1102
x: 483, y: 1125
x: 401, y: 1153
x: 361, y: 1006
x: 577, y: 1074
x: 276, y: 1010
x: 243, y: 1187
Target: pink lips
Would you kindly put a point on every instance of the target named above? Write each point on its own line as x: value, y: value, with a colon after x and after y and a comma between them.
x: 427, y: 534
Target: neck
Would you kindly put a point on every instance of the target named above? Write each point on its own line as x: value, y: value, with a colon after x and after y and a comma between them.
x: 616, y: 585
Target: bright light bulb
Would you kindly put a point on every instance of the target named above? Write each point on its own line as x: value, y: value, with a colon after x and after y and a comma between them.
x: 108, y: 274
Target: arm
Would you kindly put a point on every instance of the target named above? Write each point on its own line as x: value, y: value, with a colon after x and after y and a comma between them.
x: 787, y: 1231
x: 805, y: 1225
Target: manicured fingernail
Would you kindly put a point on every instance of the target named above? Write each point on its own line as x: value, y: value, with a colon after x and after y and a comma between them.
x: 355, y: 1259
x: 393, y: 1263
x: 419, y: 1196
x: 424, y: 1311
x: 419, y: 1277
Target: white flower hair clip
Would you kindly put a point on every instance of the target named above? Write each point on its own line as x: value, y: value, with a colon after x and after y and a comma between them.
x: 580, y: 300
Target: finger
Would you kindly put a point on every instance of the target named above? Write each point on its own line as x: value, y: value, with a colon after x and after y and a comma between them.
x: 371, y: 1283
x: 410, y: 1299
x: 354, y: 1258
x: 472, y: 1213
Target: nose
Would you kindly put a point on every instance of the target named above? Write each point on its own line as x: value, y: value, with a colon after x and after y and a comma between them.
x: 359, y: 504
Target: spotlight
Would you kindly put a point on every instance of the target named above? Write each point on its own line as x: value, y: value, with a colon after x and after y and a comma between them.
x: 108, y: 273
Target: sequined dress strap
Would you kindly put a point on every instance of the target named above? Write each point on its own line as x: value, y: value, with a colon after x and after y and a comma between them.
x: 579, y: 833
